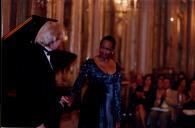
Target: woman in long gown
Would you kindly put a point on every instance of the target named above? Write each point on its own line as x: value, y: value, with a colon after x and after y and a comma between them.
x: 100, y: 106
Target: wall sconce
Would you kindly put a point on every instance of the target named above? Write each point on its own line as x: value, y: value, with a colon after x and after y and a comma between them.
x: 121, y: 6
x: 171, y: 19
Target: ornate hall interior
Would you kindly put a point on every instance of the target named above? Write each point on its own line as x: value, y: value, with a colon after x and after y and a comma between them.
x: 151, y: 35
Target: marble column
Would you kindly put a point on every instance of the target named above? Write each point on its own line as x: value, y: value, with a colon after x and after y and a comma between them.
x: 176, y: 44
x: 90, y: 28
x: 108, y: 17
x: 144, y: 47
x: 55, y: 9
x: 50, y: 8
x: 191, y: 50
x: 59, y: 10
x: 39, y: 7
x: 97, y: 30
x: 23, y: 10
x: 5, y: 16
x: 182, y: 36
x: 133, y: 42
x: 132, y: 37
x: 14, y: 13
x: 150, y: 35
x: 128, y: 43
x: 76, y: 31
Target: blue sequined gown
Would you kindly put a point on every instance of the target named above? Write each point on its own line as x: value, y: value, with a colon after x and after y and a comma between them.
x: 100, y: 106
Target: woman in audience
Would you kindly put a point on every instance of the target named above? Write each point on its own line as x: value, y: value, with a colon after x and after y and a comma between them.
x: 187, y: 117
x: 141, y: 99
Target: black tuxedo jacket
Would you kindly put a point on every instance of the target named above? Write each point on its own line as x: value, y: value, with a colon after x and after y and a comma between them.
x: 27, y: 71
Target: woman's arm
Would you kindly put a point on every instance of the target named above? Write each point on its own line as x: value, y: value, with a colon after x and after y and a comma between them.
x: 76, y: 87
x: 80, y: 80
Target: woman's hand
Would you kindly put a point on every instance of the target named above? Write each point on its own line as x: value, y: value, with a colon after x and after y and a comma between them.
x: 66, y: 99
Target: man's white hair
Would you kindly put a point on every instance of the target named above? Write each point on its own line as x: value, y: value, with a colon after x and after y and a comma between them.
x: 49, y: 32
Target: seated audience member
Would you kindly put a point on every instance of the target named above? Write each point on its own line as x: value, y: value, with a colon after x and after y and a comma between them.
x: 187, y: 118
x: 135, y: 86
x: 142, y: 102
x: 182, y: 95
x: 159, y: 92
x: 136, y: 83
x: 165, y: 111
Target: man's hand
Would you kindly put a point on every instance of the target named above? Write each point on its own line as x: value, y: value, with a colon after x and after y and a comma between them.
x: 66, y: 99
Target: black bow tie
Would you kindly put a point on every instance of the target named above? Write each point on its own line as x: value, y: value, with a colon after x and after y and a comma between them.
x: 44, y: 49
x: 49, y: 52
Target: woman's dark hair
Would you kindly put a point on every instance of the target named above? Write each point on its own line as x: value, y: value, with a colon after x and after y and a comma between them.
x: 61, y: 59
x: 189, y: 83
x: 178, y: 82
x: 109, y: 38
x: 168, y: 77
x: 146, y: 76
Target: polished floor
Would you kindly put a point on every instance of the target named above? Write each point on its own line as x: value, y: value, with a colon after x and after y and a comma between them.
x: 71, y: 119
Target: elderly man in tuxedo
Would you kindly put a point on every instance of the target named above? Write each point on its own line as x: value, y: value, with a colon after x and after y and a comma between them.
x: 28, y: 67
